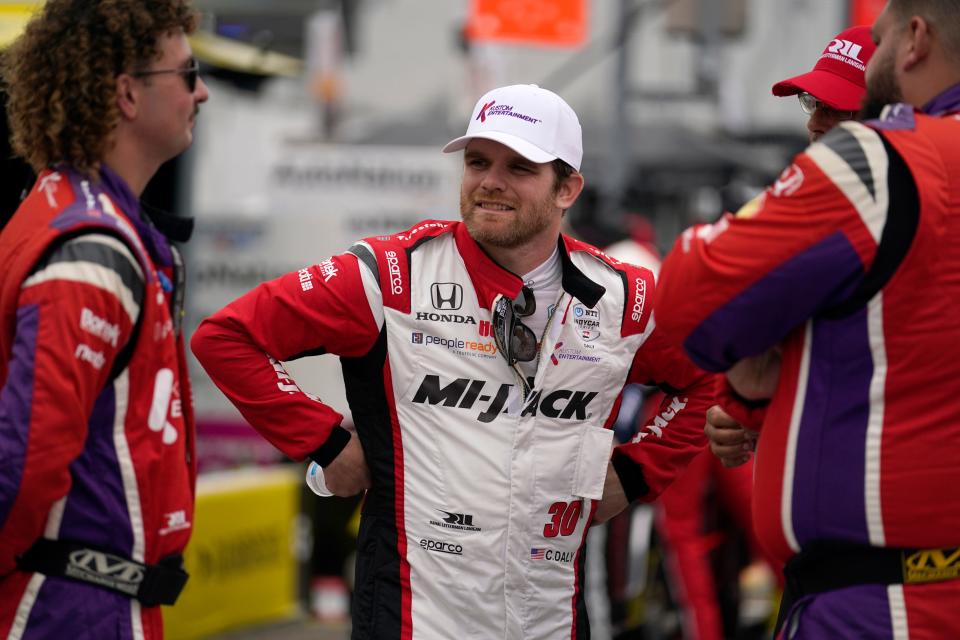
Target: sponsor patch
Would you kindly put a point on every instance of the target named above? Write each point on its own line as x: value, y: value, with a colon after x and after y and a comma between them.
x: 789, y: 181
x: 440, y: 546
x: 462, y: 393
x: 328, y: 269
x: 452, y: 520
x: 85, y: 353
x: 472, y: 348
x: 931, y: 565
x: 587, y: 321
x: 446, y: 296
x: 306, y: 279
x: 393, y: 267
x: 94, y: 324
x: 449, y: 318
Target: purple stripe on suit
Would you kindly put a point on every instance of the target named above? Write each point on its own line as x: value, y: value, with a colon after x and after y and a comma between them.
x: 828, y: 482
x: 16, y: 399
x: 764, y: 313
x: 97, y: 493
x: 845, y: 614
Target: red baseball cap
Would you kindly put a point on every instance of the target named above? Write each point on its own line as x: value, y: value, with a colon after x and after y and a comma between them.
x: 838, y: 77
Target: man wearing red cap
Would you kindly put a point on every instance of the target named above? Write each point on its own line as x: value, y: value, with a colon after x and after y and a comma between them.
x: 832, y: 91
x: 850, y: 265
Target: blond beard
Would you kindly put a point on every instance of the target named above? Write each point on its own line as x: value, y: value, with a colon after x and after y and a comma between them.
x: 521, y: 228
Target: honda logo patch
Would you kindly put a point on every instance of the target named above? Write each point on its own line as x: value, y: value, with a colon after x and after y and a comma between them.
x: 446, y: 296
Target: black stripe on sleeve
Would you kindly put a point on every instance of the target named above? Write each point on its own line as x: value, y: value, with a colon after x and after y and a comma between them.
x: 366, y: 257
x: 903, y: 217
x: 846, y: 145
x: 87, y: 248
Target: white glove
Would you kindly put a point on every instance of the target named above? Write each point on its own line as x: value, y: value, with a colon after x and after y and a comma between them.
x: 315, y: 481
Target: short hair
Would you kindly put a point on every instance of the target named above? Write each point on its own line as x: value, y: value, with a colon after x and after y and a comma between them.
x: 60, y: 75
x: 941, y: 15
x: 561, y: 171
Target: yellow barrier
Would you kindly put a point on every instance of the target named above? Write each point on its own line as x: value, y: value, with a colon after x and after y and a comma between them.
x: 241, y: 558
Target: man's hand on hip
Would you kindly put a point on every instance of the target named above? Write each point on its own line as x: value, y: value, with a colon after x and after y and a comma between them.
x: 348, y: 474
x: 614, y: 499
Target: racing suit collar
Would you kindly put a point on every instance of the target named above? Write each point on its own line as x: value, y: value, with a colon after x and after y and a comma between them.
x: 946, y: 102
x: 490, y: 279
x: 117, y: 189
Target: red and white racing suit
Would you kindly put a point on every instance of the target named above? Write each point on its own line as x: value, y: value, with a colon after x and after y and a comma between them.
x: 481, y: 495
x: 96, y: 426
x: 851, y: 264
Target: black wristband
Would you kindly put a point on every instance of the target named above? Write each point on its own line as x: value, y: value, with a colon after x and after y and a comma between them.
x: 631, y: 476
x: 330, y: 449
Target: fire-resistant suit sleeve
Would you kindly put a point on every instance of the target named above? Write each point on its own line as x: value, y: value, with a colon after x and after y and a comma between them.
x: 75, y: 314
x: 737, y: 287
x: 663, y: 447
x: 325, y: 308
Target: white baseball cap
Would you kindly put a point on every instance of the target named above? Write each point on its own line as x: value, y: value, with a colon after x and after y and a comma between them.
x: 534, y: 122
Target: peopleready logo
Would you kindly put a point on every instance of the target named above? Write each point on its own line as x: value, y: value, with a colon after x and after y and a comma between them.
x: 462, y: 393
x: 456, y: 344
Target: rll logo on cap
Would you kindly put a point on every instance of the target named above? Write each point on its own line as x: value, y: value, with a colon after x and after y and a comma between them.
x: 845, y: 51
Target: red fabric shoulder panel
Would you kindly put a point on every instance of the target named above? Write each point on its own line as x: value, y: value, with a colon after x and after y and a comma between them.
x: 392, y: 254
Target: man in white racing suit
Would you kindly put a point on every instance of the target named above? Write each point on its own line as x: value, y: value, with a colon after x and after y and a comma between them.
x: 483, y: 362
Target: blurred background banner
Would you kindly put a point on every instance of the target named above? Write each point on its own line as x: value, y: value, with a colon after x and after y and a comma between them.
x: 558, y: 23
x: 244, y: 555
x: 865, y: 11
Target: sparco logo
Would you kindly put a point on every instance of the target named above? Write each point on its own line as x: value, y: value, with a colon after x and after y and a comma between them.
x: 451, y: 520
x: 105, y: 569
x: 393, y: 264
x: 441, y: 546
x: 446, y: 296
x: 639, y: 296
x: 462, y: 393
x: 445, y: 317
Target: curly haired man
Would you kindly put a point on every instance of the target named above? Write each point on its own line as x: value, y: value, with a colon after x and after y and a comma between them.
x: 96, y: 428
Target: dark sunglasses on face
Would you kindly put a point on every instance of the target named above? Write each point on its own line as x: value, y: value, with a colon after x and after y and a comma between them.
x: 810, y: 104
x: 516, y: 341
x: 190, y: 74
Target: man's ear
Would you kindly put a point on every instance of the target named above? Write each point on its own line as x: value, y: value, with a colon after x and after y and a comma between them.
x: 128, y: 96
x: 569, y: 190
x: 919, y: 42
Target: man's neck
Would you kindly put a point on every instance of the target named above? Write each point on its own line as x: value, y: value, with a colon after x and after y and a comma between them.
x: 524, y: 258
x: 924, y: 87
x: 128, y: 163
